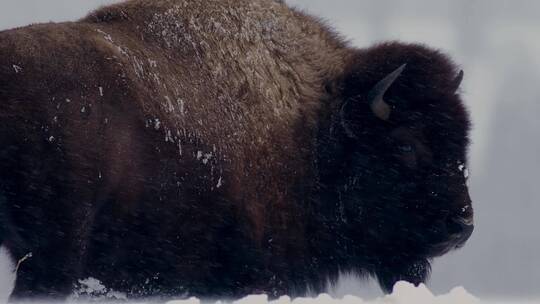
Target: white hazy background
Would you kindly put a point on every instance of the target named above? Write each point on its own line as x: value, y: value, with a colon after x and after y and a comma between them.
x: 497, y: 43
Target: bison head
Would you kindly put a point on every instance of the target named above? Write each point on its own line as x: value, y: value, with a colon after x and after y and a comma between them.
x: 402, y: 174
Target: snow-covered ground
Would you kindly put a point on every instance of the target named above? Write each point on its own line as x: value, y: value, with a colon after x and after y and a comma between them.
x: 404, y: 293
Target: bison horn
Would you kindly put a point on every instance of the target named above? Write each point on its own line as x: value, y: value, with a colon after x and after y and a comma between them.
x: 457, y: 81
x: 375, y: 97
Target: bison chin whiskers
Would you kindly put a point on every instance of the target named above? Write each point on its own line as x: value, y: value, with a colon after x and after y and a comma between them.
x: 391, y: 272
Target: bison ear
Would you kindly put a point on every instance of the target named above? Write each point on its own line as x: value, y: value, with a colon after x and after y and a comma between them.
x: 413, y: 272
x: 343, y: 118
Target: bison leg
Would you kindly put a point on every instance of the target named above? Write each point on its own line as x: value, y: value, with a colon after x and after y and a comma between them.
x: 56, y: 261
x: 34, y: 282
x: 53, y: 259
x: 53, y: 216
x: 414, y: 272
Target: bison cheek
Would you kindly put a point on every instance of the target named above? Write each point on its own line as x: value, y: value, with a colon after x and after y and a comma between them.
x: 414, y: 272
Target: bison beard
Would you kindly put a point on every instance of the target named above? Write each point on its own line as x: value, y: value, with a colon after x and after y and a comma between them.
x: 220, y: 148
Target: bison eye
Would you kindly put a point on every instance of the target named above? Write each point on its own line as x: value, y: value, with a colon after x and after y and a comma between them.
x: 406, y: 148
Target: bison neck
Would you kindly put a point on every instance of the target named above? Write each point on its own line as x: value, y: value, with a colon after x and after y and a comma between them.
x: 337, y: 247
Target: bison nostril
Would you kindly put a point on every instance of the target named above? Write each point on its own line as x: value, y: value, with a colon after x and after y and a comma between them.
x: 466, y: 221
x: 459, y: 224
x: 465, y: 234
x: 465, y: 215
x: 461, y: 228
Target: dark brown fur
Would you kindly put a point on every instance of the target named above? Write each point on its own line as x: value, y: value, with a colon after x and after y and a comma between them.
x: 173, y: 147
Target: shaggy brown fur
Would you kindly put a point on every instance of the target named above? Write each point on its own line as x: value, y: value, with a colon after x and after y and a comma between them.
x: 176, y: 147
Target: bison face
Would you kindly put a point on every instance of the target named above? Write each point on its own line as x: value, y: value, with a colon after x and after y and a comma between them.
x: 404, y: 194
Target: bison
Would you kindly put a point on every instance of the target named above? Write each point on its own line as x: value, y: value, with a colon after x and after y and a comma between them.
x: 222, y: 148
